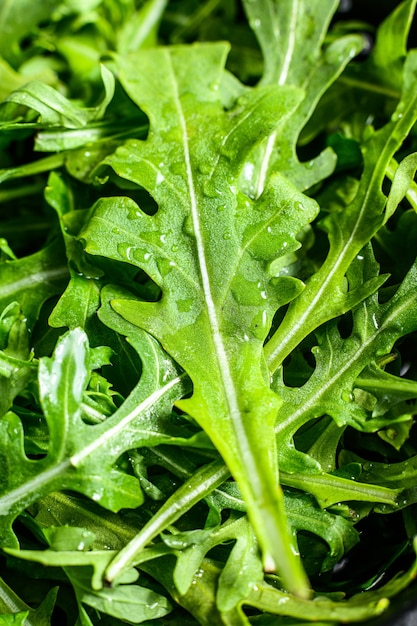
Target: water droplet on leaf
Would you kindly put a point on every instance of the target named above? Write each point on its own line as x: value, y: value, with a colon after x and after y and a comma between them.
x: 126, y: 251
x: 134, y: 213
x: 184, y: 306
x: 188, y: 226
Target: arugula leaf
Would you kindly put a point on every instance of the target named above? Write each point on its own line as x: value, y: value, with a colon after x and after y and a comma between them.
x: 39, y: 276
x: 16, y: 22
x: 53, y: 108
x: 72, y: 461
x: 216, y: 310
x: 348, y: 233
x: 278, y: 27
x: 15, y: 356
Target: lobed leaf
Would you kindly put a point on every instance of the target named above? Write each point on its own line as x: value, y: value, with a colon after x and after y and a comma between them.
x: 325, y: 296
x: 81, y: 457
x: 210, y: 255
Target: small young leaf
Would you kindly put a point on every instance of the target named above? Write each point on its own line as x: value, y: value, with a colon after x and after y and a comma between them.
x: 403, y: 178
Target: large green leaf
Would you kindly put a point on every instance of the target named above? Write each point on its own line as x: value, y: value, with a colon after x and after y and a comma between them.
x: 209, y: 248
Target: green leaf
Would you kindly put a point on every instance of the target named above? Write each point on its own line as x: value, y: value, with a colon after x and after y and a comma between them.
x: 33, y: 279
x: 402, y: 181
x: 15, y: 611
x: 199, y: 600
x: 376, y: 329
x: 243, y: 569
x: 391, y: 46
x: 279, y: 26
x: 325, y: 296
x: 97, y: 560
x: 16, y: 368
x: 210, y: 257
x: 204, y: 481
x: 55, y: 109
x: 125, y: 602
x: 81, y: 457
x: 190, y: 267
x: 338, y: 532
x: 141, y: 29
x: 17, y: 20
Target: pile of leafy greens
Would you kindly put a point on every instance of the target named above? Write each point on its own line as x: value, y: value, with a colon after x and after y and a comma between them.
x: 208, y: 312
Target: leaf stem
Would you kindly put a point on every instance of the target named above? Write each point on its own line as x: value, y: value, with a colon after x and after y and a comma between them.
x: 203, y: 482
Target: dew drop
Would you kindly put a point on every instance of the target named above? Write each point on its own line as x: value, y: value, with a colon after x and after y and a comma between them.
x: 204, y: 168
x: 134, y: 213
x: 126, y: 251
x: 140, y: 255
x: 396, y: 116
x: 210, y: 191
x: 188, y: 226
x: 185, y: 305
x: 248, y: 172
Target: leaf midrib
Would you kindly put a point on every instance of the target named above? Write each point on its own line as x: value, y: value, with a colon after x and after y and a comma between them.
x: 229, y: 391
x: 35, y: 485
